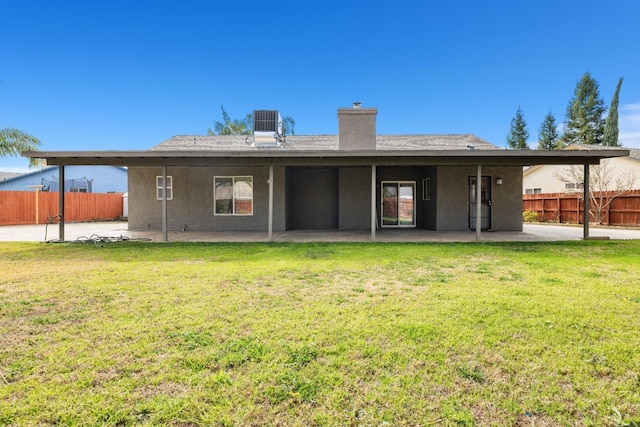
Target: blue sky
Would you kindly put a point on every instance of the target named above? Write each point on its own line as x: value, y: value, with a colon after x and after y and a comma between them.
x: 121, y: 75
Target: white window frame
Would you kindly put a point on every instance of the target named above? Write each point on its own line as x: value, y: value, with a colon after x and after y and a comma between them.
x: 234, y: 197
x: 160, y: 187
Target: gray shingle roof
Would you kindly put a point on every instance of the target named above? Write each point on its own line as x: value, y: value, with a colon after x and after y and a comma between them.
x: 9, y: 175
x: 323, y: 143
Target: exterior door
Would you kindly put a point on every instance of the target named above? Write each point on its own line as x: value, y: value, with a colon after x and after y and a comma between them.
x: 485, y: 201
x: 398, y: 203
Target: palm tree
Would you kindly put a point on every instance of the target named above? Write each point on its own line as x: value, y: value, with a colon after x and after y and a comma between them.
x: 14, y: 141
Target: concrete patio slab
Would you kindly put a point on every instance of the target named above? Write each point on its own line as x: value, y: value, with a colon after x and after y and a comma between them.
x: 115, y: 230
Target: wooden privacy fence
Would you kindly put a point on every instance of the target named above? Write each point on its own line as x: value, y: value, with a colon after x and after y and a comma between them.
x: 19, y: 207
x: 569, y: 208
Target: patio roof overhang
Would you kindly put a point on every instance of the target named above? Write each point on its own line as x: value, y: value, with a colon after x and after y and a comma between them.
x: 327, y: 158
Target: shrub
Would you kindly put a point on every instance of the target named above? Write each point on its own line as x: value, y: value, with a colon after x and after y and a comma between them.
x: 530, y: 216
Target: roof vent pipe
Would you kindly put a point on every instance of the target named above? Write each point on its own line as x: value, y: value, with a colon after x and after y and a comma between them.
x: 357, y: 104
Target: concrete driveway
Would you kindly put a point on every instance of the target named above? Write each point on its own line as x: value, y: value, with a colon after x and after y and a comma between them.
x: 116, y: 230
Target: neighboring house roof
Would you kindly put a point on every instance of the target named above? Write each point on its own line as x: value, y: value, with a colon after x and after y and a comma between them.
x: 634, y: 153
x: 300, y: 143
x: 30, y: 174
x: 111, y: 178
x: 9, y: 175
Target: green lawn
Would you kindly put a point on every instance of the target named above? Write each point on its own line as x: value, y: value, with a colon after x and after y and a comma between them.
x: 177, y: 334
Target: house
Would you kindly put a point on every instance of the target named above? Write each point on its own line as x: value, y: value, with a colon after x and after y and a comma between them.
x: 544, y: 178
x: 354, y: 180
x: 81, y: 179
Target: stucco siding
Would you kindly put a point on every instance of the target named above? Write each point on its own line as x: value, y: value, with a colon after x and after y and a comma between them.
x: 312, y: 195
x: 453, y: 197
x: 192, y: 206
x: 354, y: 187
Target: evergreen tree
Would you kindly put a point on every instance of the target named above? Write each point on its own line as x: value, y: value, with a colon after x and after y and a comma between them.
x: 584, y: 120
x: 548, y: 138
x: 518, y: 134
x: 610, y: 138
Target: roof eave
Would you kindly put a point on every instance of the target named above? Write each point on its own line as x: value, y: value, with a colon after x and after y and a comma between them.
x: 284, y: 158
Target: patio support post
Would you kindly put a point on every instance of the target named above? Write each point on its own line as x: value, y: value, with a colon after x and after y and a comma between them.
x: 585, y: 225
x: 61, y: 202
x: 478, y: 203
x: 165, y: 232
x: 270, y: 203
x: 373, y: 203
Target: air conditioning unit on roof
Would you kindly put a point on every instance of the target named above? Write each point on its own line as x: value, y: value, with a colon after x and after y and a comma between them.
x: 267, y: 128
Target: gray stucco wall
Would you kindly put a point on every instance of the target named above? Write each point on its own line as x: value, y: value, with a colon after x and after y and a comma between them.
x: 354, y: 187
x: 453, y: 197
x: 320, y: 198
x: 312, y: 198
x: 425, y: 210
x: 192, y: 204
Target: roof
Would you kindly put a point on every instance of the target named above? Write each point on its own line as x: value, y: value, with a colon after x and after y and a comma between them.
x: 301, y: 143
x: 19, y: 176
x: 634, y: 153
x: 322, y: 150
x: 4, y: 176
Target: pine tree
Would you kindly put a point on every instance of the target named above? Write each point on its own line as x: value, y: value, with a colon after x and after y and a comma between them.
x: 548, y: 138
x: 610, y: 138
x: 518, y: 134
x: 584, y: 120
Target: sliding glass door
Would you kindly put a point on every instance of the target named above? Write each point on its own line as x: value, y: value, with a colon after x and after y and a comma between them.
x: 398, y: 203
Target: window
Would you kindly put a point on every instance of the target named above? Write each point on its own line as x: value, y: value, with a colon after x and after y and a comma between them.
x: 233, y: 195
x: 160, y: 188
x: 426, y: 189
x: 533, y: 191
x: 573, y: 185
x: 398, y: 203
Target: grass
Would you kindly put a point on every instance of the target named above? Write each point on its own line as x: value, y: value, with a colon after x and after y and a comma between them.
x: 177, y: 334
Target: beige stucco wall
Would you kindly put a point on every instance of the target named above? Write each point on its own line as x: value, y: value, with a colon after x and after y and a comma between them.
x: 544, y: 176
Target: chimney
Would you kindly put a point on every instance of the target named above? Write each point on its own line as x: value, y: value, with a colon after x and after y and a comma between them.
x: 357, y: 128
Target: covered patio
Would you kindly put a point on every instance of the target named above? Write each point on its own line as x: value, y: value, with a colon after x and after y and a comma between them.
x: 366, y: 158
